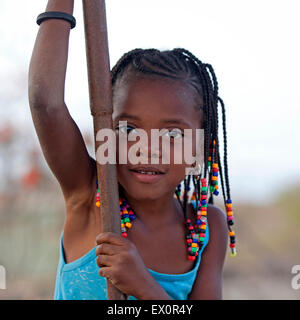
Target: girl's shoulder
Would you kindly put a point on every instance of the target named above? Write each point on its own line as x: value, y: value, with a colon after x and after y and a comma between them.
x: 218, y: 228
x: 216, y: 217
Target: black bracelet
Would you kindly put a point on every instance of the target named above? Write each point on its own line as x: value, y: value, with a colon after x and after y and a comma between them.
x: 56, y: 15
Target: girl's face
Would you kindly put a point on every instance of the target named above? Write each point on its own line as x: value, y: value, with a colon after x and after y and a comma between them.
x: 153, y: 103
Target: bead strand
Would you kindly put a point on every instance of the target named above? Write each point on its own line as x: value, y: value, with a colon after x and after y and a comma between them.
x: 214, y: 172
x: 230, y: 223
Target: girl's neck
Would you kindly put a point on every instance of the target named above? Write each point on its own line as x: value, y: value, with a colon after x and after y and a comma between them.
x: 153, y: 213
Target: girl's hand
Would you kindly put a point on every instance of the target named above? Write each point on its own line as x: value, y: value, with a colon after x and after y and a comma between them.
x: 120, y: 262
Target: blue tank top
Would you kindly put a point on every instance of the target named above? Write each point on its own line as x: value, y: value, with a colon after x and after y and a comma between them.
x: 80, y: 280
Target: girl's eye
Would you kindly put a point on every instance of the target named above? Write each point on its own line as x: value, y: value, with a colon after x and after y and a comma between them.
x: 126, y: 129
x: 174, y: 133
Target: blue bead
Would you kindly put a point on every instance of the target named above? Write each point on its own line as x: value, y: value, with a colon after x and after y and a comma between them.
x: 215, y: 174
x: 203, y: 202
x: 132, y: 217
x: 126, y: 215
x: 228, y: 201
x: 195, y: 240
x: 198, y: 221
x: 216, y: 192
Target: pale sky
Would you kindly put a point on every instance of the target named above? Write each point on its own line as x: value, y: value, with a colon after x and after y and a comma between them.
x: 252, y: 45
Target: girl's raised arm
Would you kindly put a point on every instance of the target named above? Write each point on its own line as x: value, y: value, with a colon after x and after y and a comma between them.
x: 60, y: 138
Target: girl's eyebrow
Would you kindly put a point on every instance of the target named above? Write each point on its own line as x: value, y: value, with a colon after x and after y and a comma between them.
x: 126, y: 115
x: 164, y: 121
x: 175, y: 121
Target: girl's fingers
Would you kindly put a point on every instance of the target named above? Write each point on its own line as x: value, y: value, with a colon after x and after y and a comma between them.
x: 104, y: 260
x: 110, y: 237
x: 106, y: 248
x: 105, y: 272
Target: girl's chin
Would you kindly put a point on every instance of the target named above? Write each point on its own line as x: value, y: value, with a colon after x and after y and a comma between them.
x: 145, y: 192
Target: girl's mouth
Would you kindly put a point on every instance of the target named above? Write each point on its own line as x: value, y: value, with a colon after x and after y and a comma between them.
x: 147, y: 175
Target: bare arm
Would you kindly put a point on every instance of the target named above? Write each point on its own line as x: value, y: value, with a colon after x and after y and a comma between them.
x: 60, y: 138
x: 208, y: 283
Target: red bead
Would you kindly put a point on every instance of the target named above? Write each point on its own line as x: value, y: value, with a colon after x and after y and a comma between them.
x: 232, y: 245
x: 124, y: 234
x: 188, y: 220
x: 203, y: 197
x: 189, y: 240
x: 202, y: 235
x: 192, y: 258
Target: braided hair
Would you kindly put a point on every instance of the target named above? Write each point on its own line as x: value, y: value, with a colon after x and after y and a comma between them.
x: 181, y: 65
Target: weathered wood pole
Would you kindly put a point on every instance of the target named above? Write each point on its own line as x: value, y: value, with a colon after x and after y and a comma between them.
x: 100, y: 92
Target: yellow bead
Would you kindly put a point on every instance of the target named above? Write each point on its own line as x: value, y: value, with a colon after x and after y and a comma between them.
x: 203, y: 226
x: 230, y: 213
x: 125, y: 211
x: 229, y: 205
x: 216, y: 187
x: 233, y: 253
x: 128, y: 225
x: 98, y: 204
x: 231, y: 233
x: 194, y: 245
x: 215, y: 165
x: 214, y: 178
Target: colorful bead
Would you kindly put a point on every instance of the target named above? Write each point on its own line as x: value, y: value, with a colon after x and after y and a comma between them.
x: 233, y: 252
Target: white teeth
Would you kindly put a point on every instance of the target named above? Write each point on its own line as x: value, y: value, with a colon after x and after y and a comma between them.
x: 147, y: 172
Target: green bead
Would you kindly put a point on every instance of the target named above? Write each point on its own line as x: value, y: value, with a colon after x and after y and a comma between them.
x: 212, y: 188
x: 193, y: 249
x: 203, y: 188
x: 209, y: 163
x: 126, y: 220
x: 122, y: 221
x: 201, y: 239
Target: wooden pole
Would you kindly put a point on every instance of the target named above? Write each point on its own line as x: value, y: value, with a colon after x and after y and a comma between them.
x: 101, y: 109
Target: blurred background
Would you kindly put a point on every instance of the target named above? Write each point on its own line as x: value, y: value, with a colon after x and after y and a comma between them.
x: 254, y: 50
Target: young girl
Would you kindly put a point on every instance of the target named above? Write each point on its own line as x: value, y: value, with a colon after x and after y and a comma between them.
x: 173, y: 239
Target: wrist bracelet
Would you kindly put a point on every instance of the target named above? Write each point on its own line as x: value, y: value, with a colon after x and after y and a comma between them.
x: 56, y: 15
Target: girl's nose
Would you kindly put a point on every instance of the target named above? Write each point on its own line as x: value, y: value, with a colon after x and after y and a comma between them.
x: 148, y: 154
